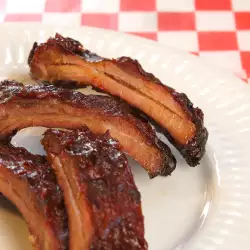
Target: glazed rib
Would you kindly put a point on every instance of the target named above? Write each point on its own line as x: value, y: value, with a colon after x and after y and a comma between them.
x: 24, y: 106
x: 101, y: 198
x: 64, y: 61
x: 29, y: 182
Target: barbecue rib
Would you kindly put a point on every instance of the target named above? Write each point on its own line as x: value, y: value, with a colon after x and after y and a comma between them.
x: 101, y: 198
x: 29, y: 182
x: 23, y: 106
x: 64, y: 61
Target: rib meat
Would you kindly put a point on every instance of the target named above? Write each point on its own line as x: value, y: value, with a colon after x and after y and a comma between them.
x: 64, y: 61
x: 23, y: 106
x: 29, y: 182
x: 101, y: 198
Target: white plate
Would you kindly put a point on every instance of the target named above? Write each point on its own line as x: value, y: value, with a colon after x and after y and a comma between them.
x: 207, y: 207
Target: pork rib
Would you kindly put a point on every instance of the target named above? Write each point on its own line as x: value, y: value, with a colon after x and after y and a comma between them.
x: 101, y: 198
x: 64, y: 61
x: 29, y: 182
x: 23, y: 106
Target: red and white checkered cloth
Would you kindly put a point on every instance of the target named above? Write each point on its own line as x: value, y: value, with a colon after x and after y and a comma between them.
x: 218, y: 30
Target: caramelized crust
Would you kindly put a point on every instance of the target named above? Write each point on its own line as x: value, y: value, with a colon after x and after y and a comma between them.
x: 64, y: 61
x: 29, y: 182
x: 23, y: 106
x: 102, y: 201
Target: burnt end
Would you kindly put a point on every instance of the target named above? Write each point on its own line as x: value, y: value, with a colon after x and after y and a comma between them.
x: 169, y: 162
x: 74, y: 46
x: 67, y: 43
x: 195, y: 149
x: 36, y: 171
x: 70, y: 45
x: 35, y: 45
x: 107, y: 182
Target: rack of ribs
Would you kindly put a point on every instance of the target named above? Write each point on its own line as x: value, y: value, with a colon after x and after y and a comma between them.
x: 64, y: 61
x: 103, y: 203
x: 29, y: 182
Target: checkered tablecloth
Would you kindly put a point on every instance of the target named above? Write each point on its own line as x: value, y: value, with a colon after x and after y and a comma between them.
x: 217, y: 30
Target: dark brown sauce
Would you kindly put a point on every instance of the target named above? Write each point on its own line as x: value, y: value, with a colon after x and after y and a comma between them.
x: 113, y: 197
x: 36, y: 171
